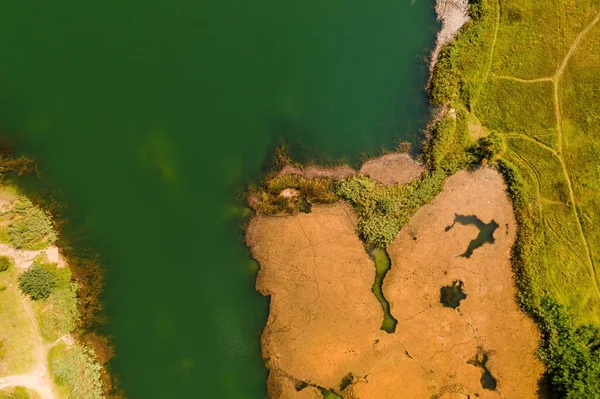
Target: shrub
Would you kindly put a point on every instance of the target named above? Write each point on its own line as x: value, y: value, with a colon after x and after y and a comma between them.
x: 30, y: 227
x: 488, y: 149
x: 17, y: 393
x: 5, y: 263
x: 571, y: 352
x: 60, y: 315
x: 267, y: 200
x: 77, y: 368
x: 37, y: 282
x: 384, y: 210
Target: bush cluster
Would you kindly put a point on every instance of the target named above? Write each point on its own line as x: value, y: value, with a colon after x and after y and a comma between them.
x: 17, y: 393
x: 384, y: 210
x: 37, y: 282
x: 571, y: 352
x: 77, y: 368
x: 29, y: 226
x: 5, y: 263
x: 267, y: 199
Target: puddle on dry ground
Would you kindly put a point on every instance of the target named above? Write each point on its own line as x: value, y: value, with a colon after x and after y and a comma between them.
x: 486, y: 231
x: 451, y: 295
x: 487, y: 379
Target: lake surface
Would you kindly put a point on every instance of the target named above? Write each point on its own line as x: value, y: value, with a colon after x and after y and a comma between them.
x: 151, y: 116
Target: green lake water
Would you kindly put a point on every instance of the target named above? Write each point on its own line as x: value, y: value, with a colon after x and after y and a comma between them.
x: 150, y: 116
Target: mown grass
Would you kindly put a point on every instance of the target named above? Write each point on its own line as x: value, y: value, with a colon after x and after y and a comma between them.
x: 510, y: 106
x: 535, y: 36
x: 16, y: 335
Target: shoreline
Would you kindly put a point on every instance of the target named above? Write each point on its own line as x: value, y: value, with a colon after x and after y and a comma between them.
x: 445, y: 150
x: 452, y: 14
x: 83, y: 334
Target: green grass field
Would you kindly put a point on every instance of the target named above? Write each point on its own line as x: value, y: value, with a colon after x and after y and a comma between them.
x: 15, y: 327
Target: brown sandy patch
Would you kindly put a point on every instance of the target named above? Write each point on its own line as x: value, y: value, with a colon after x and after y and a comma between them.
x: 323, y: 316
x: 289, y: 192
x: 394, y: 168
x: 489, y: 319
x: 324, y: 321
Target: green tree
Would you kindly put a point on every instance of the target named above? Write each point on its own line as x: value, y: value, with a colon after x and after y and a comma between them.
x: 37, y: 282
x: 488, y: 148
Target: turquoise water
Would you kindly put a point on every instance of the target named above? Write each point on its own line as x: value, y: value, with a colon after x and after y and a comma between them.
x: 151, y: 116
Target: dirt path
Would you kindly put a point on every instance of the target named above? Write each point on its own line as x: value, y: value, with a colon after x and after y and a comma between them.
x: 555, y: 79
x: 42, y: 382
x: 559, y: 121
x: 31, y: 381
x: 493, y: 49
x: 538, y: 80
x: 38, y: 379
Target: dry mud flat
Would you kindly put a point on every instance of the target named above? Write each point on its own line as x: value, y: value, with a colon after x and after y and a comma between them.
x: 324, y: 321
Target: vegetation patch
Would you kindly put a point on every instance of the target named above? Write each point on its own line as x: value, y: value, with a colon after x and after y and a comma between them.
x: 516, y: 107
x: 16, y: 336
x: 57, y: 314
x: 18, y: 393
x: 268, y: 199
x: 384, y: 210
x: 5, y: 263
x: 77, y: 369
x: 37, y: 282
x: 29, y: 226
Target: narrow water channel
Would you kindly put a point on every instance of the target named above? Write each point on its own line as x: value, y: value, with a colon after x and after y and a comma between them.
x: 383, y: 263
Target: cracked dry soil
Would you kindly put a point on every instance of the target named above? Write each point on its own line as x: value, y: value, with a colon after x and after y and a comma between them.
x: 324, y: 321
